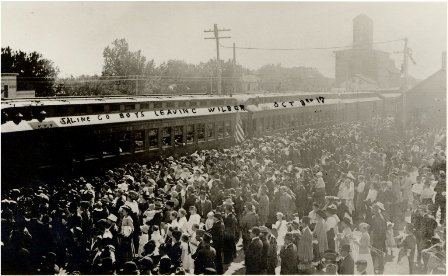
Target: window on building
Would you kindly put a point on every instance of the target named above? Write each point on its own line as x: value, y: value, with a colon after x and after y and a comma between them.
x: 153, y: 135
x: 139, y: 140
x: 166, y: 137
x: 190, y: 134
x: 201, y: 132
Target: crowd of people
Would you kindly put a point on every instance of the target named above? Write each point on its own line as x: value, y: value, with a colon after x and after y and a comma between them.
x: 337, y: 200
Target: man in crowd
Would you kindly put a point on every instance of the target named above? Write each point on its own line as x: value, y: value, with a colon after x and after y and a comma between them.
x: 110, y: 224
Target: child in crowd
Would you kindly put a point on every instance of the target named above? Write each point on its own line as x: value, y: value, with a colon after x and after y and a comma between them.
x: 157, y: 235
x: 390, y: 240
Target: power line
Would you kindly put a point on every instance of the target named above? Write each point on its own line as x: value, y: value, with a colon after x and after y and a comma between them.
x: 306, y: 49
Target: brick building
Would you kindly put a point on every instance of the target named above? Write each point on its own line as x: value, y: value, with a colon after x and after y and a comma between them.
x: 362, y: 60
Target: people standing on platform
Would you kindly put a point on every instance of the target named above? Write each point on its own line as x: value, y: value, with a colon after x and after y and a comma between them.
x: 288, y: 256
x: 346, y: 265
x: 253, y: 256
x: 262, y: 180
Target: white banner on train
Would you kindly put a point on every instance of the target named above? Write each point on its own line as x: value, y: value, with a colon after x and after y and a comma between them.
x: 111, y: 118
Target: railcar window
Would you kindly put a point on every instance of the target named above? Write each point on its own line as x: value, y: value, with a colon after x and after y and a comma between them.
x: 166, y: 137
x: 97, y: 108
x: 153, y: 135
x: 210, y: 131
x: 178, y: 135
x: 201, y: 132
x: 227, y: 129
x: 157, y: 104
x: 267, y: 123
x: 169, y: 104
x: 114, y: 107
x: 193, y: 104
x: 190, y: 134
x: 203, y: 103
x: 144, y: 106
x: 244, y: 123
x: 91, y: 148
x: 128, y: 107
x: 139, y: 140
x: 60, y: 111
x: 124, y: 141
x: 107, y: 144
x: 80, y: 109
x: 274, y: 122
x: 181, y: 104
x: 220, y: 129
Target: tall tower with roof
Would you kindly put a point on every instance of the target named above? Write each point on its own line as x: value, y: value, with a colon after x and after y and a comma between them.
x: 362, y: 66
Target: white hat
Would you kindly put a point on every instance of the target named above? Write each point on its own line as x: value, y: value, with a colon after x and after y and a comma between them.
x: 112, y: 217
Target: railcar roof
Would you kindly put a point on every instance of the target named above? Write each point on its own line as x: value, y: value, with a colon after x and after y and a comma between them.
x: 48, y: 101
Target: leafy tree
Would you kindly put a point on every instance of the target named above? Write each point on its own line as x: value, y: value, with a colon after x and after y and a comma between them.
x: 35, y: 72
x: 120, y: 61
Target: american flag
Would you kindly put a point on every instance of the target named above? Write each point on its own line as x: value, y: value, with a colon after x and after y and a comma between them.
x: 239, y: 132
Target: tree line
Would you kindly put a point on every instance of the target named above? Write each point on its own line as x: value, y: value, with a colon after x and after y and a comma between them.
x: 127, y: 72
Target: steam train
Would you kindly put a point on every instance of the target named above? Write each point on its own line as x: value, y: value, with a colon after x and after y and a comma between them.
x: 59, y: 135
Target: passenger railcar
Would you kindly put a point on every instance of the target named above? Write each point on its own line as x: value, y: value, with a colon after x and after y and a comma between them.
x: 64, y: 134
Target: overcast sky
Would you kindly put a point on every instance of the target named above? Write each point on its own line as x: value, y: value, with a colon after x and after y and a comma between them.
x: 74, y: 34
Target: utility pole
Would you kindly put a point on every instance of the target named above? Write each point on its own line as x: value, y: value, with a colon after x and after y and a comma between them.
x: 405, y: 82
x: 234, y: 69
x: 216, y: 37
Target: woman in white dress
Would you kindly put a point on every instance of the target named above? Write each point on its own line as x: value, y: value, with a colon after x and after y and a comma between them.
x: 347, y: 192
x: 364, y: 248
x: 187, y: 260
x: 282, y: 228
x: 182, y: 221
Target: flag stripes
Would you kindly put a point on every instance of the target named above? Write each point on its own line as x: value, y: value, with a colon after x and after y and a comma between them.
x: 239, y: 132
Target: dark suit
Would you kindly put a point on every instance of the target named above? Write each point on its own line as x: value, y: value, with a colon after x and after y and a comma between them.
x: 249, y: 220
x: 190, y: 200
x: 253, y: 256
x: 230, y: 234
x: 264, y: 255
x: 217, y: 232
x: 272, y: 255
x: 203, y: 209
x: 204, y: 258
x: 175, y: 254
x: 346, y: 266
x: 288, y: 255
